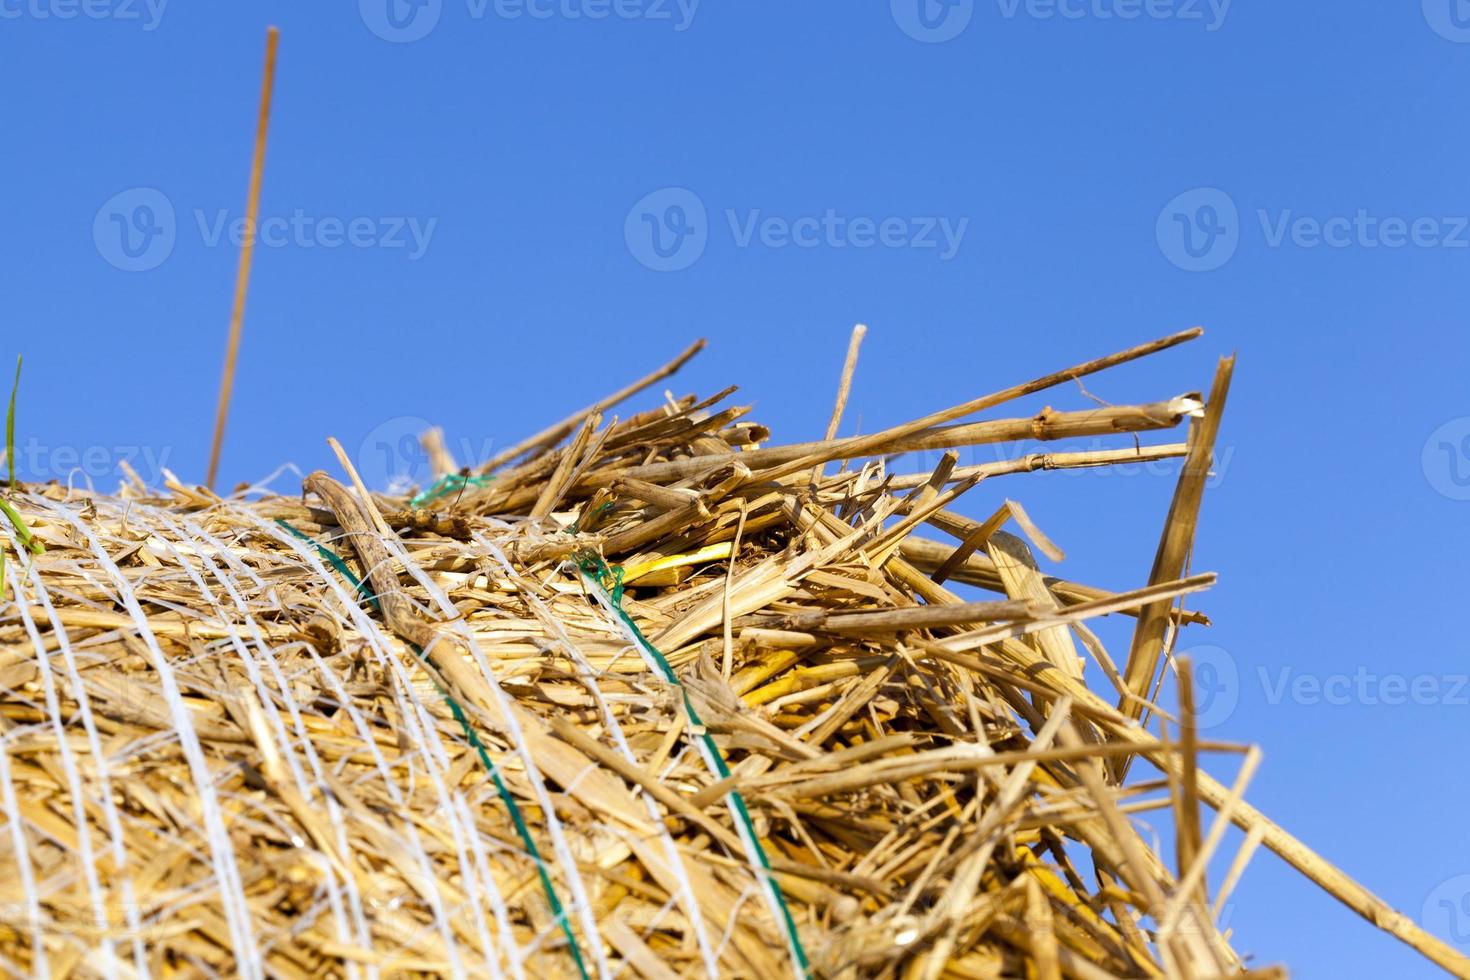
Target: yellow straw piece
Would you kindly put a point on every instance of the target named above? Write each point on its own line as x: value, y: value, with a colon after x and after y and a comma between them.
x: 714, y: 552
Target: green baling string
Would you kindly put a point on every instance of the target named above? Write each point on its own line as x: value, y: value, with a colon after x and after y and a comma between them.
x: 610, y: 580
x: 445, y: 485
x: 471, y: 736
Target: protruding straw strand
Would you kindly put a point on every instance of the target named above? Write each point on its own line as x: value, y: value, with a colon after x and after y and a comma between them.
x: 247, y: 250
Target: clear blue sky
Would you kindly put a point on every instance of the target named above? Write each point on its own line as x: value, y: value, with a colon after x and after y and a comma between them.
x: 1289, y: 175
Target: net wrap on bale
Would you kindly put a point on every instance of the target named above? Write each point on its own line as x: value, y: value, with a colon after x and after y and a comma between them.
x: 641, y: 696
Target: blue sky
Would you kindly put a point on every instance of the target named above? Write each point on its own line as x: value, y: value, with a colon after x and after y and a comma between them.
x: 485, y: 213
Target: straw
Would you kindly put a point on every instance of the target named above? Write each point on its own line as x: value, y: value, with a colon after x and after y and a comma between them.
x: 247, y: 252
x: 660, y: 699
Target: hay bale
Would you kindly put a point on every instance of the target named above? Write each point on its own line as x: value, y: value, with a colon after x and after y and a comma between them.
x: 639, y: 696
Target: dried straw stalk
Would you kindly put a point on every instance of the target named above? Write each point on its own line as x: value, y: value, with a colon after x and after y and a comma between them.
x: 784, y: 749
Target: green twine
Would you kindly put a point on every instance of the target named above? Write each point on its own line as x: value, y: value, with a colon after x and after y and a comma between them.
x: 337, y: 563
x: 445, y: 485
x: 610, y: 580
x: 522, y: 829
x: 610, y: 577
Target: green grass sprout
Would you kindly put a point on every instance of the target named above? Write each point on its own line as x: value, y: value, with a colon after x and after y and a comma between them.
x: 10, y: 426
x: 23, y: 534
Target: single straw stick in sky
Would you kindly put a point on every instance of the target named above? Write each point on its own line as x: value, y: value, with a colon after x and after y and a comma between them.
x: 247, y: 249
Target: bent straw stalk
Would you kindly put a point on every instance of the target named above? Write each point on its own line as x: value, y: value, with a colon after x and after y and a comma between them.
x: 643, y: 696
